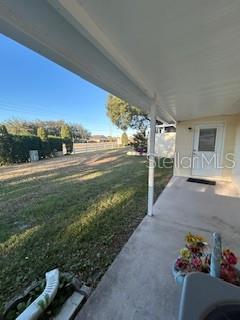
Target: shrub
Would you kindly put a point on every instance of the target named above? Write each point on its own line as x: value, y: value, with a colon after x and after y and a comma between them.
x: 15, y: 148
x: 42, y: 133
x: 66, y: 136
x: 69, y: 146
x: 66, y: 133
x: 140, y: 142
x: 45, y: 149
x: 21, y: 145
x: 55, y: 143
x: 5, y: 146
x: 124, y: 139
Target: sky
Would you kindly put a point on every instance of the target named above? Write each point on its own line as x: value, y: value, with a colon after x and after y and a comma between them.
x: 33, y: 87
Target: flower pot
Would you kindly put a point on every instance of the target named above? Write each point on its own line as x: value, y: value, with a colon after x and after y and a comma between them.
x: 218, y: 263
x: 178, y: 275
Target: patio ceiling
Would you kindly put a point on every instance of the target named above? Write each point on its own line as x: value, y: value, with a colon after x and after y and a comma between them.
x: 183, y: 55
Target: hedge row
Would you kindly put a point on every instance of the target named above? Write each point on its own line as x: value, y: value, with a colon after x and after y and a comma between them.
x: 55, y: 143
x: 21, y: 145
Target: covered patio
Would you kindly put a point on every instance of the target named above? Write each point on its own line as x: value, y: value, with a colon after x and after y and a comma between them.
x: 179, y: 62
x: 139, y: 284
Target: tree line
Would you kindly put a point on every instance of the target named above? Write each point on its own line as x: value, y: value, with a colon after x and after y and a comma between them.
x: 19, y: 137
x: 52, y: 128
x: 16, y: 148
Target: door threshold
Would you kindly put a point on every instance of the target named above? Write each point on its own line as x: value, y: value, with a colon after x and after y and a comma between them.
x: 202, y: 181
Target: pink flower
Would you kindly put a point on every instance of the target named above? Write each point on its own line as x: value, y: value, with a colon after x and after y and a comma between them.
x: 194, y: 249
x: 196, y: 263
x: 228, y: 273
x: 229, y: 257
x: 181, y: 264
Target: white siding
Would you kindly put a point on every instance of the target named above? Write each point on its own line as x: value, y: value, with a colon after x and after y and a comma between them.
x: 184, y: 144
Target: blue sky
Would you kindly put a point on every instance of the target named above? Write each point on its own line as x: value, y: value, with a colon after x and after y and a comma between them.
x: 32, y: 87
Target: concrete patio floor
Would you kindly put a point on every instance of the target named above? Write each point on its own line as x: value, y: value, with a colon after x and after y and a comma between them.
x: 139, y: 284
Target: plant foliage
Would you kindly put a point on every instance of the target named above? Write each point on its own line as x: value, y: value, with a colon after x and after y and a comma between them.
x: 55, y: 143
x: 21, y: 145
x: 52, y: 127
x: 15, y: 148
x: 140, y: 142
x: 125, y: 116
x: 66, y: 136
x: 42, y: 133
x: 124, y: 139
x: 5, y: 145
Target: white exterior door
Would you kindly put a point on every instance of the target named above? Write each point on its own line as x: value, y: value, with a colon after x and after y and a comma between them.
x: 207, y: 150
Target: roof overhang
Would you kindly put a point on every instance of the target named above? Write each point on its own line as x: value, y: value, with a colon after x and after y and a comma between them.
x: 181, y: 55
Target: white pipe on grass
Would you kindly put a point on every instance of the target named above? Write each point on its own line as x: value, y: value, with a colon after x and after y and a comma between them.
x: 40, y: 304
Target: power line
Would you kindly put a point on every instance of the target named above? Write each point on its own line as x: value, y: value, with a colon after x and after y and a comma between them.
x: 20, y: 109
x: 23, y: 105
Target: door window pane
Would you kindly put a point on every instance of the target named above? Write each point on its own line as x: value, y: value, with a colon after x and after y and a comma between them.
x: 207, y: 139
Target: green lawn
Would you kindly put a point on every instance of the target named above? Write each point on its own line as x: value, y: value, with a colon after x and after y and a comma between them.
x: 74, y: 214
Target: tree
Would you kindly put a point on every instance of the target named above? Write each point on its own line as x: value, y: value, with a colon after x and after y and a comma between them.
x: 124, y: 139
x: 66, y: 135
x: 42, y: 134
x: 140, y: 142
x: 53, y: 127
x: 45, y: 145
x: 20, y: 127
x: 5, y: 145
x: 125, y: 116
x: 78, y: 132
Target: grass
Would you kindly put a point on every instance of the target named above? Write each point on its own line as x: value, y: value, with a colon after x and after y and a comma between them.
x: 75, y: 214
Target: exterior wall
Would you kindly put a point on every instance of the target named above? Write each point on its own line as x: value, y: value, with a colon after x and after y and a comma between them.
x: 165, y: 144
x: 236, y: 170
x: 185, y: 136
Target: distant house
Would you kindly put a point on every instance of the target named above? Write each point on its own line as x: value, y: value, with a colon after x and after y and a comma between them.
x: 112, y: 139
x: 82, y: 140
x: 98, y: 138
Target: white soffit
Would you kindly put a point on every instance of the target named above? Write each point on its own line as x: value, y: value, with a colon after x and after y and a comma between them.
x: 185, y: 52
x: 40, y: 26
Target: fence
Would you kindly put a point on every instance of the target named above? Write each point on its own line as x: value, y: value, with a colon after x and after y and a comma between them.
x: 88, y: 147
x: 164, y: 144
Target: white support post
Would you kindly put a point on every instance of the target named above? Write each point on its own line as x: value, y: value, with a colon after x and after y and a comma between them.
x: 151, y: 160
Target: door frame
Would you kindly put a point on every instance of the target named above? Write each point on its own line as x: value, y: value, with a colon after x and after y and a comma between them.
x: 221, y: 145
